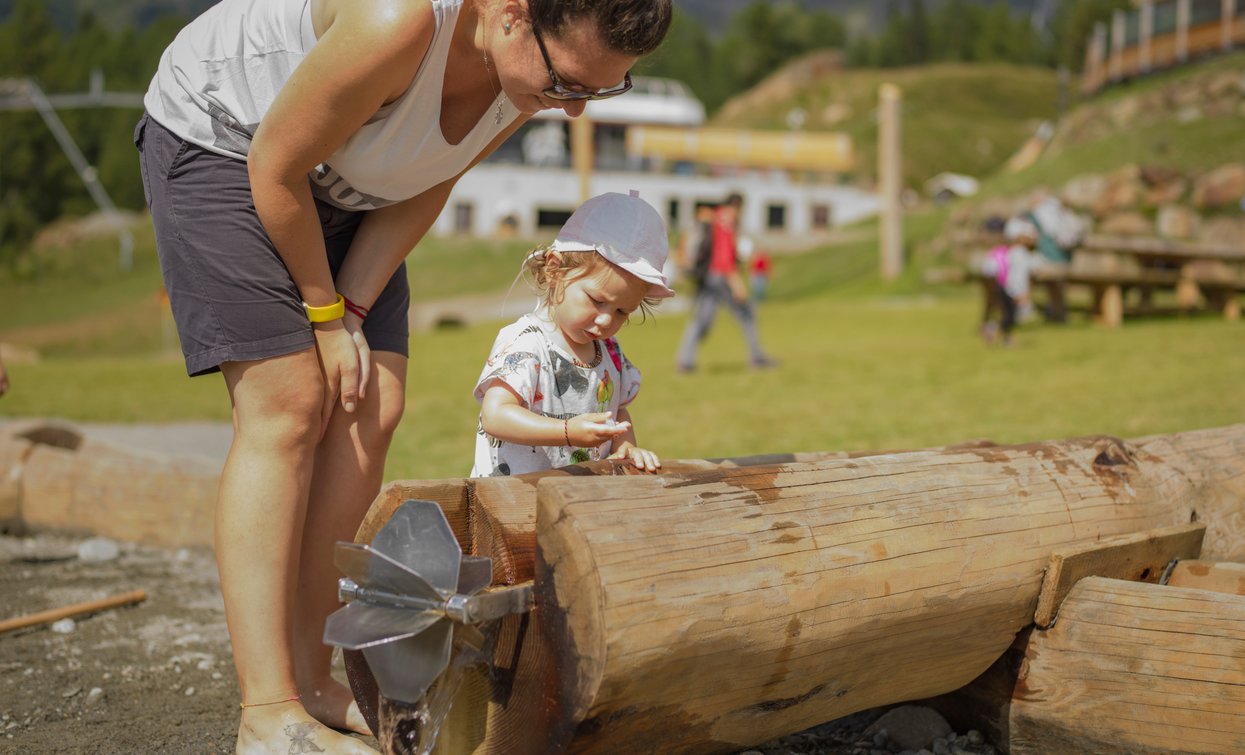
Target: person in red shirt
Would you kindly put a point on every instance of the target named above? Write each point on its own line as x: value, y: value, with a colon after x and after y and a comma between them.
x: 722, y: 285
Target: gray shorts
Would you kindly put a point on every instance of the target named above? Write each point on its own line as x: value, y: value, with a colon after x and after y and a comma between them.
x: 233, y: 299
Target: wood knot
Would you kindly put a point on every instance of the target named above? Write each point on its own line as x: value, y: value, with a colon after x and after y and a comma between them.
x: 1113, y: 453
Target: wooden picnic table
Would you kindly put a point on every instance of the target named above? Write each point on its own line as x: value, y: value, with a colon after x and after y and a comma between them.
x: 1111, y: 266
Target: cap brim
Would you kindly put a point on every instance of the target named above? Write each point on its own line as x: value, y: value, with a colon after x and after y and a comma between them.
x: 642, y: 269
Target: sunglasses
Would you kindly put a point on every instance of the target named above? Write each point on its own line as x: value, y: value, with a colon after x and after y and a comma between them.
x: 563, y: 93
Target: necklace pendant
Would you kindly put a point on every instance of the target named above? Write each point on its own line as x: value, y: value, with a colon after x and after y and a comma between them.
x: 497, y: 117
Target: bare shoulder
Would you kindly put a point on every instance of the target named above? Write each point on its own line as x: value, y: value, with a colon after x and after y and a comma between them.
x: 375, y: 29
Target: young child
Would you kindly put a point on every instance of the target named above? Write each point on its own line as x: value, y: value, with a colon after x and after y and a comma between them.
x: 556, y: 386
x: 1008, y: 266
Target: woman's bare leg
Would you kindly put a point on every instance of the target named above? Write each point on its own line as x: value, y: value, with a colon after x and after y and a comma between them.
x: 349, y: 467
x: 259, y: 523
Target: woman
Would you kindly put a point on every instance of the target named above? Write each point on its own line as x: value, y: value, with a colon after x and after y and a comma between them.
x: 293, y: 152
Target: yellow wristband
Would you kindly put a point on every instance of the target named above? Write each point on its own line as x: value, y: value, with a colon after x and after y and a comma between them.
x: 334, y: 311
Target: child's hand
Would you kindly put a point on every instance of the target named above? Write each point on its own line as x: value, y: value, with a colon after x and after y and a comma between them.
x: 642, y: 458
x: 589, y: 430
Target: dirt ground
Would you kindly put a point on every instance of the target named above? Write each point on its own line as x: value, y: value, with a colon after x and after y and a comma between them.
x: 154, y: 677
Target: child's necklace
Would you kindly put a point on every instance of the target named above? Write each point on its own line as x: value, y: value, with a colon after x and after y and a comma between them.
x: 596, y: 356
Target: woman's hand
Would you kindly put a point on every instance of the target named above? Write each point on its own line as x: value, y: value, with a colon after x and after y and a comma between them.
x: 590, y: 430
x: 345, y: 362
x: 642, y: 458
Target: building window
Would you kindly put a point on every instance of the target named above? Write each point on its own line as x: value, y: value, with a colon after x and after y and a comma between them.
x: 776, y: 217
x: 464, y: 217
x: 547, y: 218
x: 821, y: 216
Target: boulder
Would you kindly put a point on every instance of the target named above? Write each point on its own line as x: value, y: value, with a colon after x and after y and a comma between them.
x: 1084, y: 192
x: 1222, y: 187
x: 1126, y: 224
x: 1177, y: 222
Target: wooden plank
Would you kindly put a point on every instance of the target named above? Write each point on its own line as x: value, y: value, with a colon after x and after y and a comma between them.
x: 1163, y: 248
x: 1217, y: 576
x: 1133, y: 667
x: 1140, y: 556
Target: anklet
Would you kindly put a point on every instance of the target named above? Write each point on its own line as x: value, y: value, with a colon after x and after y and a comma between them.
x: 271, y: 702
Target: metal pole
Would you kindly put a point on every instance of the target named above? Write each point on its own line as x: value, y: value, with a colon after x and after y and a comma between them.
x: 86, y: 172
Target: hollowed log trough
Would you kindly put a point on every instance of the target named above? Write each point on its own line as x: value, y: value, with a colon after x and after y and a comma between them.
x: 721, y: 604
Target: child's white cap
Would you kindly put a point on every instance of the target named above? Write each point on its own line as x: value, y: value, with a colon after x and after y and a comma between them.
x: 625, y: 230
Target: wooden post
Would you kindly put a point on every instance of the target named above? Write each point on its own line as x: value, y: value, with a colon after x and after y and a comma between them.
x: 1227, y: 24
x: 582, y: 153
x: 890, y: 179
x: 1112, y: 306
x: 1116, y: 66
x: 1147, y: 34
x: 1183, y: 14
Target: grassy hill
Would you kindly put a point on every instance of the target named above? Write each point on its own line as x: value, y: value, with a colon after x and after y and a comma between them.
x: 957, y: 117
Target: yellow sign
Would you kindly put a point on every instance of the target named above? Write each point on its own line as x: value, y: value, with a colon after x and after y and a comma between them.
x: 793, y: 150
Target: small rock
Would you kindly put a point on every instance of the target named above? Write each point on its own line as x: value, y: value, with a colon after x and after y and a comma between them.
x: 98, y: 549
x: 71, y: 692
x: 940, y: 747
x: 911, y: 727
x: 182, y: 555
x: 190, y: 691
x: 94, y: 697
x: 217, y: 675
x: 204, y: 665
x: 64, y: 626
x: 975, y: 737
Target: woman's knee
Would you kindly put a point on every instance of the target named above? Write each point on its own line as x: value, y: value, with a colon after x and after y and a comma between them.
x: 278, y: 400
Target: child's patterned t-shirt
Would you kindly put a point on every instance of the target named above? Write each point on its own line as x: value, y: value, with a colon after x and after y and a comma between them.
x: 549, y: 383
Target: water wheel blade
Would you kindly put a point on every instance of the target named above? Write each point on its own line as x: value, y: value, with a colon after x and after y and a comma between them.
x: 358, y: 625
x: 405, y: 669
x: 475, y: 574
x: 372, y: 569
x: 419, y: 537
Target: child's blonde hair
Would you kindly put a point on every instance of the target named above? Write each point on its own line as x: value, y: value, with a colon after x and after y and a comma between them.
x: 548, y: 272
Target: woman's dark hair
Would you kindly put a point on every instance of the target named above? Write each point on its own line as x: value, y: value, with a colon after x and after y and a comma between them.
x: 630, y: 27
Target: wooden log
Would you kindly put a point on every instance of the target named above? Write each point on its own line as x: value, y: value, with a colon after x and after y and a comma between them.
x: 1209, y: 575
x: 1141, y: 556
x: 1133, y: 667
x: 710, y: 612
x: 496, y: 517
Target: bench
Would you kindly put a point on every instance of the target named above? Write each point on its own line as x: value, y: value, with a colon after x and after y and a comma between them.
x: 1111, y: 266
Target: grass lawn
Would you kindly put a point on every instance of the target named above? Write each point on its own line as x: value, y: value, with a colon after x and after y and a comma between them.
x: 862, y: 368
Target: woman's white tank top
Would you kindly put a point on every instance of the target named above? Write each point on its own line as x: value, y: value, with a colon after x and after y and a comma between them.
x: 220, y: 75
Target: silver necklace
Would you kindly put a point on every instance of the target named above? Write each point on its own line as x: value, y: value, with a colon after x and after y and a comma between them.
x: 497, y: 116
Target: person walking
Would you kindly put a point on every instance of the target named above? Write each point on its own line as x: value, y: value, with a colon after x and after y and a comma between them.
x: 721, y: 286
x: 293, y: 152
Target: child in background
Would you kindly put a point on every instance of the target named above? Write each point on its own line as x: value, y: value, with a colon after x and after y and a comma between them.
x: 1008, y: 267
x: 760, y: 266
x: 556, y: 386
